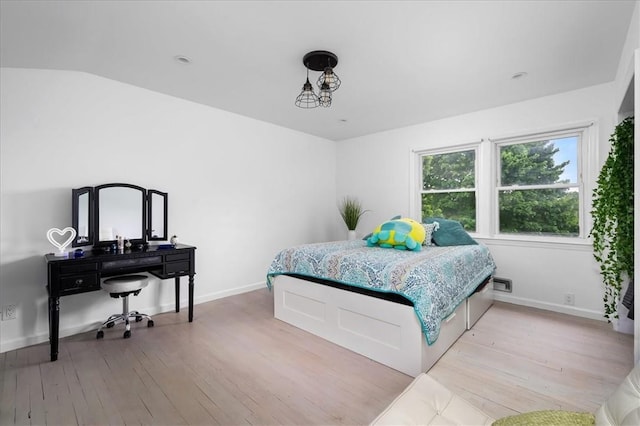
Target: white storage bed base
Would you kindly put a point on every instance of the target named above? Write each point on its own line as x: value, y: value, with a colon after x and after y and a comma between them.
x: 385, y: 331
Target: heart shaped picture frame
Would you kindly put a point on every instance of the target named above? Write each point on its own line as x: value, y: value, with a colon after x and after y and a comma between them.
x: 61, y: 245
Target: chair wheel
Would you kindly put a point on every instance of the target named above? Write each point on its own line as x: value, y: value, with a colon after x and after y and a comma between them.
x: 110, y: 324
x: 100, y: 334
x: 138, y: 318
x: 150, y: 323
x: 127, y: 334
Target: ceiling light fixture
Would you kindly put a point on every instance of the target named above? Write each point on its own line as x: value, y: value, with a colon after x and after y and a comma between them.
x: 307, y: 98
x: 328, y: 82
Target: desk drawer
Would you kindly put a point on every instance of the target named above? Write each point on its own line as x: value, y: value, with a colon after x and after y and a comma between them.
x: 175, y: 268
x: 79, y: 282
x: 132, y: 263
x: 78, y: 267
x: 175, y: 257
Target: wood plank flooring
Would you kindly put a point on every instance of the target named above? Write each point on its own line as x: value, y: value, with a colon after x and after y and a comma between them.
x: 236, y: 364
x: 518, y: 359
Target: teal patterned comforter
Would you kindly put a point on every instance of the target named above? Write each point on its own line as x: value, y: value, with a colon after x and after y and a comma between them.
x: 435, y: 279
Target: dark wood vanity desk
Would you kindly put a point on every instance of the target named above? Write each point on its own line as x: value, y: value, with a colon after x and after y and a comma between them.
x: 67, y: 276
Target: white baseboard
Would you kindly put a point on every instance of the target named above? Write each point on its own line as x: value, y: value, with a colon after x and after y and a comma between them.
x: 226, y: 293
x: 76, y: 329
x: 167, y: 307
x: 554, y: 307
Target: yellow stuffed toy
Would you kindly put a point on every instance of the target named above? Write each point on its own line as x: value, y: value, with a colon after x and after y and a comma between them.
x: 401, y: 234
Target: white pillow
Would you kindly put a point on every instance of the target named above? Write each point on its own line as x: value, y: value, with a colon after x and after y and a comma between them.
x: 429, y: 229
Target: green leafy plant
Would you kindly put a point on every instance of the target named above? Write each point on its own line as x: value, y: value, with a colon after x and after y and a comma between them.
x: 613, y: 216
x: 351, y: 211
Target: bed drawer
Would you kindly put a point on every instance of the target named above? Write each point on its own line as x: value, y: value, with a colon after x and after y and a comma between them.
x: 451, y: 328
x: 478, y: 303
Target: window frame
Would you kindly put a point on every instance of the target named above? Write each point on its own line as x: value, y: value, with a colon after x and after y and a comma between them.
x: 485, y: 182
x: 584, y: 153
x: 419, y: 154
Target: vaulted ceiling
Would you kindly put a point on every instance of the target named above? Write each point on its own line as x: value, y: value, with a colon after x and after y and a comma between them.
x: 400, y: 62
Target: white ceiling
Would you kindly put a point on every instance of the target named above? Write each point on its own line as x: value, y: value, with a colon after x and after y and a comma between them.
x: 400, y: 62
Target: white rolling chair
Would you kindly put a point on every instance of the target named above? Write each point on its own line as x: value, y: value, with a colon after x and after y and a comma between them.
x: 122, y: 286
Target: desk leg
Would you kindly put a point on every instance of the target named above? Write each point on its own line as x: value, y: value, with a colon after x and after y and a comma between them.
x: 54, y: 325
x: 191, y: 285
x: 177, y: 294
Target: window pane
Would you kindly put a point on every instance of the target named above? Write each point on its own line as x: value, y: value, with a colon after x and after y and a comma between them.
x: 540, y: 212
x: 460, y: 206
x: 449, y: 171
x: 539, y: 163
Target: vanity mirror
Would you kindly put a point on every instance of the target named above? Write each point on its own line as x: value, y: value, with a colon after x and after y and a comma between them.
x: 120, y: 211
x: 158, y: 204
x: 103, y: 213
x: 82, y: 216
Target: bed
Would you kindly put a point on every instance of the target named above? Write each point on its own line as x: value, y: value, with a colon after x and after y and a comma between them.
x: 401, y: 308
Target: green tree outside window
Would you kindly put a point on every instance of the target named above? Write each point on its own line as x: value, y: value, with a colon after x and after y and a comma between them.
x: 538, y: 190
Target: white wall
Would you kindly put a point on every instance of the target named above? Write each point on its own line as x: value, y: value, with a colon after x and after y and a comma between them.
x: 239, y: 189
x: 376, y: 168
x: 623, y: 97
x: 626, y: 93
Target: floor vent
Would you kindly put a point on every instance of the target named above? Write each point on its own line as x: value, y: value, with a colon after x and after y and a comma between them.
x: 502, y: 284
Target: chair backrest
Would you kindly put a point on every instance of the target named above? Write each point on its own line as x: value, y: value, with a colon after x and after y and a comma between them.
x: 623, y: 406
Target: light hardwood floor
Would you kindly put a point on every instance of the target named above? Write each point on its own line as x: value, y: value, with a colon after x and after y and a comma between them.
x: 236, y: 364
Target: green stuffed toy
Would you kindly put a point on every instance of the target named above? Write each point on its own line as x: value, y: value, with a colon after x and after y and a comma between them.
x: 401, y: 234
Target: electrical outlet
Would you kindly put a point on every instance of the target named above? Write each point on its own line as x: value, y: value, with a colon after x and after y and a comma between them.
x: 569, y: 299
x: 9, y: 312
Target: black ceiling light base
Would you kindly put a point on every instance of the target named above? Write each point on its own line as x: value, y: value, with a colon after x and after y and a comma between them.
x: 318, y: 60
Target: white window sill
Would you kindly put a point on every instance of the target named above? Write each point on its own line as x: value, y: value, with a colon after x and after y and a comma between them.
x: 580, y: 244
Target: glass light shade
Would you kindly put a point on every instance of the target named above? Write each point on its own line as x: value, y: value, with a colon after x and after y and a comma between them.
x: 307, y: 98
x: 330, y: 78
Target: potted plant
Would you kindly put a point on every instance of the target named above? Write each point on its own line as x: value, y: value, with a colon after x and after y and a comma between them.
x: 351, y: 210
x: 613, y: 217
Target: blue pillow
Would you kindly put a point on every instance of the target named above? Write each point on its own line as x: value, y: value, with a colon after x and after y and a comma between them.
x: 450, y: 233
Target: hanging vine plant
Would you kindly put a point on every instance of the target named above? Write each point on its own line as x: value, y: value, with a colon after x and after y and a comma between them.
x: 613, y: 217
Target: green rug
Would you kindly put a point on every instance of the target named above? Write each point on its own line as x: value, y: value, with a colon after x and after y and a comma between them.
x: 548, y: 417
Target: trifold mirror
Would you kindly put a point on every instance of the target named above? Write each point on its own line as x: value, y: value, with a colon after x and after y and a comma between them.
x: 82, y: 215
x: 100, y: 214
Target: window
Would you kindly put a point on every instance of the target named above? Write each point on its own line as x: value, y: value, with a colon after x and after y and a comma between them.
x: 538, y: 185
x: 532, y: 187
x: 448, y: 186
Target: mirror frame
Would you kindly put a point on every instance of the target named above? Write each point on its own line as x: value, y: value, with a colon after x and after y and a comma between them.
x: 93, y: 219
x: 75, y: 215
x: 165, y: 208
x: 143, y: 214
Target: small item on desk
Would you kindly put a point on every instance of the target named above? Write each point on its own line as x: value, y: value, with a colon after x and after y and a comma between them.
x: 78, y: 253
x: 55, y: 235
x: 127, y: 244
x: 165, y: 246
x: 120, y: 242
x: 174, y: 240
